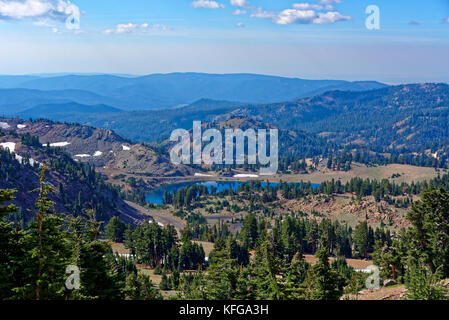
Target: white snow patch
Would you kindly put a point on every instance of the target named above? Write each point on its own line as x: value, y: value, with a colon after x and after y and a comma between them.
x: 98, y: 153
x: 126, y: 148
x: 82, y: 155
x: 11, y: 146
x: 202, y: 175
x: 4, y: 125
x: 21, y: 126
x: 8, y: 145
x: 240, y: 175
x: 57, y: 144
x: 32, y: 162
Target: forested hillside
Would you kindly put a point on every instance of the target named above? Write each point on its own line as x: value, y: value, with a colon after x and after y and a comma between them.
x: 78, y: 187
x: 406, y: 120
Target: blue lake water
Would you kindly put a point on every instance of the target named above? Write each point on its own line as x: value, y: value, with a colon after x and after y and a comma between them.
x: 155, y: 196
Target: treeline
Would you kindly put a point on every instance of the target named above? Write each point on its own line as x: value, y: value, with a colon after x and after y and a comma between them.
x: 398, y: 194
x: 156, y: 246
x: 294, y: 233
x: 421, y: 160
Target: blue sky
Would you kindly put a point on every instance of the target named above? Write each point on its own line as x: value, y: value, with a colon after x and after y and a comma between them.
x: 307, y: 39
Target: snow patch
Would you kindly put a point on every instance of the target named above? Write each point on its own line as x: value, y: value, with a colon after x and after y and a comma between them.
x: 98, y: 153
x: 202, y: 175
x: 126, y: 148
x: 57, y: 144
x: 82, y: 155
x: 246, y: 175
x: 11, y: 146
x: 21, y: 126
x: 8, y: 145
x: 4, y: 125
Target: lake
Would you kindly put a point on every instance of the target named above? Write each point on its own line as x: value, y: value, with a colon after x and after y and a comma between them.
x: 155, y: 196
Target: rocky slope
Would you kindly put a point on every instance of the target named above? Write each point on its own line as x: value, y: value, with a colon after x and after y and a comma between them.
x: 100, y: 147
x: 77, y: 187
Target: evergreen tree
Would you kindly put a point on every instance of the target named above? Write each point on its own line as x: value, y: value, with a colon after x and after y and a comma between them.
x: 324, y: 283
x: 429, y: 235
x: 11, y: 249
x: 140, y: 287
x: 48, y: 250
x: 115, y: 229
x: 423, y: 284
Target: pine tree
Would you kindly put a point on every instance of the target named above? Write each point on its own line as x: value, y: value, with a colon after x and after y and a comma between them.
x: 222, y: 274
x: 429, y: 235
x: 324, y: 283
x: 115, y: 229
x: 423, y: 284
x: 361, y: 239
x: 48, y: 250
x: 264, y: 272
x: 11, y: 249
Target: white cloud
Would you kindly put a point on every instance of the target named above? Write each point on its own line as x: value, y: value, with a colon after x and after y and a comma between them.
x: 303, y: 13
x: 209, y: 4
x: 295, y: 16
x: 239, y: 12
x: 446, y: 20
x: 308, y: 6
x: 263, y: 14
x: 59, y: 10
x: 240, y: 25
x: 124, y: 28
x: 240, y: 3
x: 330, y: 17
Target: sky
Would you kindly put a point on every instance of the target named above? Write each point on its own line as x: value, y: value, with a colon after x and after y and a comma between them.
x: 316, y: 39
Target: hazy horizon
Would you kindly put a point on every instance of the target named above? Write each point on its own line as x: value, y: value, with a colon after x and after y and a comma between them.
x: 319, y: 39
x: 129, y: 75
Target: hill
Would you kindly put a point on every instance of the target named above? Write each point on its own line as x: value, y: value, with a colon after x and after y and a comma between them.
x: 65, y: 110
x: 406, y: 118
x: 77, y: 187
x: 100, y: 147
x: 159, y: 91
x: 14, y: 101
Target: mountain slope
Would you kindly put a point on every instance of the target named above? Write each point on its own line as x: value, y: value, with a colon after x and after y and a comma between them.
x: 13, y: 101
x: 101, y: 147
x: 76, y: 186
x: 406, y: 119
x: 65, y: 111
x: 159, y: 91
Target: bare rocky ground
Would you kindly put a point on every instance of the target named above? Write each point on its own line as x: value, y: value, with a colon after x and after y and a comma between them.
x: 397, y: 292
x: 101, y: 147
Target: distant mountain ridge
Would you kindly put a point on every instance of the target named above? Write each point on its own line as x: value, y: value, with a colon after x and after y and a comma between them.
x: 164, y: 91
x: 406, y: 119
x: 14, y: 101
x: 68, y: 109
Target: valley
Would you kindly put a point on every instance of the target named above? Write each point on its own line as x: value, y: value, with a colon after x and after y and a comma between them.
x: 354, y: 186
